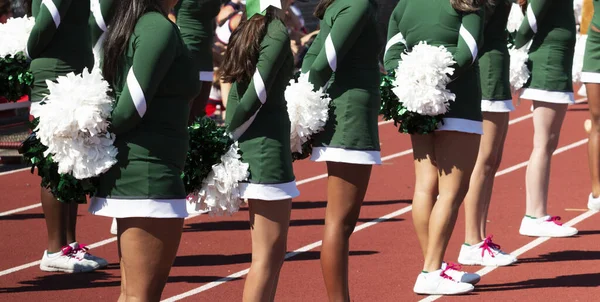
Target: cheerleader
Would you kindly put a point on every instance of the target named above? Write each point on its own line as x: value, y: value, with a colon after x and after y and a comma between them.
x: 444, y: 160
x: 549, y: 28
x: 259, y: 64
x: 496, y: 104
x: 153, y: 80
x: 60, y: 44
x: 344, y: 56
x: 196, y: 21
x: 591, y: 77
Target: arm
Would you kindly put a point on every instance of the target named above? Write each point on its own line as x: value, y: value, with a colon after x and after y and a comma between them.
x: 270, y: 60
x: 46, y: 23
x: 536, y: 10
x: 470, y: 40
x: 154, y: 52
x: 312, y: 52
x: 344, y: 32
x: 396, y: 44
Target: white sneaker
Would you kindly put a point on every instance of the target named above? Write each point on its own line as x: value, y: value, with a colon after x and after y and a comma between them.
x: 113, y: 227
x: 65, y: 261
x: 484, y: 253
x: 438, y: 283
x: 81, y: 251
x: 547, y: 226
x: 453, y: 270
x: 594, y: 203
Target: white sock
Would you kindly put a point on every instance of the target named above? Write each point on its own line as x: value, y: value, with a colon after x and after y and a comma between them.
x: 52, y: 255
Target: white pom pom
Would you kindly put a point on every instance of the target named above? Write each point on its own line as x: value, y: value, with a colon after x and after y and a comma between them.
x: 73, y: 124
x: 14, y: 35
x: 308, y: 111
x: 519, y: 73
x: 220, y: 190
x: 515, y: 18
x: 421, y: 79
x: 578, y: 57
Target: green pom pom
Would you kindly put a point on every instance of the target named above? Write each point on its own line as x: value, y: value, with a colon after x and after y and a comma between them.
x: 406, y: 121
x: 15, y: 78
x: 64, y: 187
x: 207, y: 143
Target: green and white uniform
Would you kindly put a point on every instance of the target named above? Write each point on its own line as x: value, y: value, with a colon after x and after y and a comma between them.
x: 438, y: 23
x: 196, y: 20
x: 150, y: 118
x: 345, y: 54
x: 101, y: 14
x: 494, y: 62
x: 257, y: 116
x: 591, y: 60
x: 551, y: 26
x: 59, y: 42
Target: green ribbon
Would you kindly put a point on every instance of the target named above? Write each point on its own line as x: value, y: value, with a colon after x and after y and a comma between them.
x: 254, y: 7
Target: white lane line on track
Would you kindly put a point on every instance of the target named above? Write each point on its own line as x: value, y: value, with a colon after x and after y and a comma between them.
x: 301, y: 182
x: 358, y: 228
x: 14, y: 171
x: 535, y: 243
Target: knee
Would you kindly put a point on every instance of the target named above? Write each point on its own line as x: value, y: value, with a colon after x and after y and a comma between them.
x: 595, y: 124
x: 547, y: 146
x: 273, y: 256
x: 491, y: 163
x: 426, y: 186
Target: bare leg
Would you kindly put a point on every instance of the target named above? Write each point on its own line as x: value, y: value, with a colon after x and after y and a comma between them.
x: 455, y: 154
x: 148, y: 248
x: 547, y: 121
x: 593, y: 94
x: 71, y: 219
x: 55, y: 213
x: 477, y: 200
x: 269, y: 221
x: 346, y: 189
x: 426, y: 186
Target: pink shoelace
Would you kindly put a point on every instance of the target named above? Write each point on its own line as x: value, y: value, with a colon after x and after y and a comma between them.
x: 450, y: 266
x: 555, y: 219
x: 489, y: 246
x: 71, y: 252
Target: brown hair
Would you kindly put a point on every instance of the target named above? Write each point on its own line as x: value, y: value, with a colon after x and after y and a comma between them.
x: 243, y: 48
x: 322, y: 7
x: 467, y: 5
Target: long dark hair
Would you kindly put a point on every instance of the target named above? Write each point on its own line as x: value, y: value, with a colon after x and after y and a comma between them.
x: 121, y: 27
x: 243, y: 48
x: 467, y: 5
x: 322, y: 7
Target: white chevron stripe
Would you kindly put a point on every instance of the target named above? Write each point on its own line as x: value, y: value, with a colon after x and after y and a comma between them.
x: 330, y: 52
x: 137, y: 94
x: 97, y: 12
x: 53, y: 11
x: 259, y: 87
x: 466, y: 35
x: 531, y: 18
x: 397, y: 38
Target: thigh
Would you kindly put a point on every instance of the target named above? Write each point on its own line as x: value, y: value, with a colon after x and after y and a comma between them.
x: 495, y: 126
x: 148, y: 247
x: 269, y: 222
x: 547, y: 121
x: 425, y: 164
x: 593, y: 95
x: 456, y: 154
x: 346, y: 189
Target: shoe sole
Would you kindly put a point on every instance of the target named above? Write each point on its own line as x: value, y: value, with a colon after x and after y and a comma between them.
x: 443, y: 293
x: 548, y: 235
x: 55, y: 269
x: 593, y: 208
x: 477, y: 263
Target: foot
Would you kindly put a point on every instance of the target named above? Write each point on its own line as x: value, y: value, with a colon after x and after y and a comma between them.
x: 594, y: 203
x: 113, y: 227
x: 65, y: 261
x: 81, y: 251
x: 453, y: 270
x: 484, y: 253
x: 438, y: 283
x: 547, y: 226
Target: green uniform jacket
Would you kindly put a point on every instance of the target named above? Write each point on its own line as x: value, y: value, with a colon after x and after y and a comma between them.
x: 196, y: 20
x: 345, y: 53
x: 437, y: 23
x: 100, y: 17
x: 551, y: 26
x: 257, y: 112
x: 59, y: 42
x: 151, y: 114
x: 494, y: 60
x: 591, y: 60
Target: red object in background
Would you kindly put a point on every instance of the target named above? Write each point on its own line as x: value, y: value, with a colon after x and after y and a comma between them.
x: 211, y: 107
x: 11, y: 113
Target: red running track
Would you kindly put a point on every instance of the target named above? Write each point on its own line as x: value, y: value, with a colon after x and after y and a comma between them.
x: 385, y: 257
